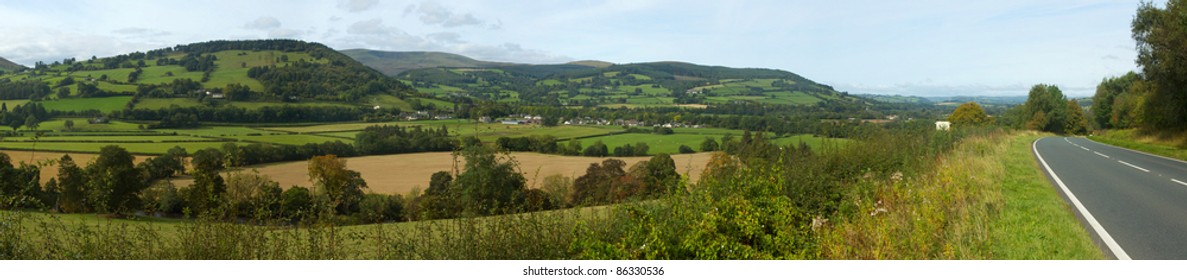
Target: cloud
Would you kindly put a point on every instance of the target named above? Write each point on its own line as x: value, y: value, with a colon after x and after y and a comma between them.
x: 1110, y: 57
x: 263, y: 23
x: 28, y: 45
x: 141, y: 32
x: 286, y: 33
x: 936, y: 90
x: 446, y: 38
x: 374, y: 34
x: 355, y: 6
x: 432, y: 13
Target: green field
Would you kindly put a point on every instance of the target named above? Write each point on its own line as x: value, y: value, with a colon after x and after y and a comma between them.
x: 139, y: 148
x: 81, y: 124
x: 290, y: 139
x: 82, y: 138
x: 103, y: 104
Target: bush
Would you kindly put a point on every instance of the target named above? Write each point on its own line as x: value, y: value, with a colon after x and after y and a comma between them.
x: 379, y: 208
x: 685, y: 149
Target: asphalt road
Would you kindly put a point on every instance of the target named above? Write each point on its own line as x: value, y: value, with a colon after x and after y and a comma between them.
x: 1135, y: 203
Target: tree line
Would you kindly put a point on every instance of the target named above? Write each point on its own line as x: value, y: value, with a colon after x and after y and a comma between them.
x: 1152, y: 99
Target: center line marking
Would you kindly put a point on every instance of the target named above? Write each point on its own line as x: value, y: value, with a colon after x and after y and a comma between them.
x: 1180, y: 182
x: 1100, y: 154
x: 1086, y: 149
x: 1134, y: 166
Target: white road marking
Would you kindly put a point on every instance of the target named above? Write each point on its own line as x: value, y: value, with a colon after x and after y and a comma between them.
x: 1100, y: 230
x: 1180, y: 182
x: 1086, y: 149
x: 1100, y: 154
x: 1134, y: 166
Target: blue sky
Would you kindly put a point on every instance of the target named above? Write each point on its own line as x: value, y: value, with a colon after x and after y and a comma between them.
x: 926, y: 48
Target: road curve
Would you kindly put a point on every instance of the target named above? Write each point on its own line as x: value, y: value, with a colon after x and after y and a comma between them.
x: 1135, y: 203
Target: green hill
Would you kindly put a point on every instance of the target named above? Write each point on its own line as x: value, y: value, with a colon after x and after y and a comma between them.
x: 246, y: 74
x: 9, y: 66
x: 394, y: 63
x: 593, y: 83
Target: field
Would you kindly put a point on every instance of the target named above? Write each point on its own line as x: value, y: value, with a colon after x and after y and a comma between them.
x: 399, y: 174
x: 671, y: 143
x: 103, y: 104
x: 486, y: 132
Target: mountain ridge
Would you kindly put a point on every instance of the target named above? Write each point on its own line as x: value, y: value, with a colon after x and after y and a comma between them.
x: 8, y: 65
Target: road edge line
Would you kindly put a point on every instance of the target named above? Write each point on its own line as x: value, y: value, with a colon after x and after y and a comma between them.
x: 1116, y: 249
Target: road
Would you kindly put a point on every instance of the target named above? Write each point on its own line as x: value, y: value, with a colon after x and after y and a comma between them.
x: 1135, y: 203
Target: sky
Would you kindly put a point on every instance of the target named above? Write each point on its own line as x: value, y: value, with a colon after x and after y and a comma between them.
x: 919, y: 47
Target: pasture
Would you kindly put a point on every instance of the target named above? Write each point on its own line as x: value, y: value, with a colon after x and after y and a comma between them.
x: 102, y: 104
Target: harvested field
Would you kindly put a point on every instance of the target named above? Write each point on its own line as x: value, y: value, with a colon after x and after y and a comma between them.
x: 399, y: 174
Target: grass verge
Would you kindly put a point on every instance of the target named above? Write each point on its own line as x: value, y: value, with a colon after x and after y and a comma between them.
x: 986, y: 200
x: 1131, y: 139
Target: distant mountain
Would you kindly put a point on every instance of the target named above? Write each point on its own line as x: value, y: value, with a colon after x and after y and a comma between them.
x: 598, y: 83
x: 7, y: 65
x: 896, y: 98
x: 592, y: 63
x: 394, y: 63
x: 259, y: 70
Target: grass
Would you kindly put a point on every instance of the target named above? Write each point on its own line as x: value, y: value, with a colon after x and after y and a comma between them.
x: 161, y: 103
x: 81, y: 124
x: 103, y: 104
x: 1172, y: 147
x: 139, y: 148
x: 290, y: 139
x: 985, y: 200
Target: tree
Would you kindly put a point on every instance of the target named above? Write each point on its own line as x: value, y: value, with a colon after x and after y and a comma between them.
x: 1077, y: 121
x: 69, y: 124
x: 659, y: 175
x: 114, y: 183
x: 342, y: 187
x: 439, y: 183
x: 596, y: 186
x: 208, y: 188
x: 490, y: 184
x: 1107, y: 94
x: 969, y: 114
x: 709, y: 145
x: 1160, y: 35
x: 598, y: 149
x: 1051, y: 103
x: 72, y: 184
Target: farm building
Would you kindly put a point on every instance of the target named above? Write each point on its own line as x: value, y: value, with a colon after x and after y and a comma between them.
x: 943, y: 125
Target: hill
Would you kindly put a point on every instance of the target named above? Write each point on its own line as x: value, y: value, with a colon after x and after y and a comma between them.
x: 208, y: 75
x: 394, y: 63
x: 9, y: 66
x: 594, y: 83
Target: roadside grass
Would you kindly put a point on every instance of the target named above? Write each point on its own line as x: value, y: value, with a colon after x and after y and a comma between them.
x: 986, y: 200
x: 1168, y: 146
